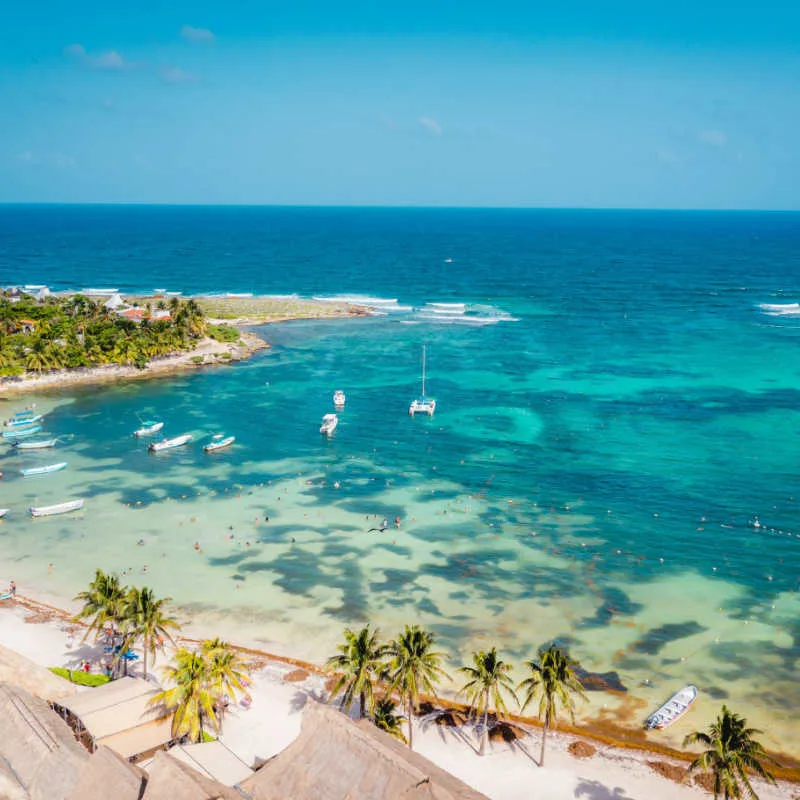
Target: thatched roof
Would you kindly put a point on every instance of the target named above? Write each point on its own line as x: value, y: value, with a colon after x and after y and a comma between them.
x: 120, y: 716
x: 336, y: 758
x: 170, y: 779
x: 42, y: 761
x: 39, y: 681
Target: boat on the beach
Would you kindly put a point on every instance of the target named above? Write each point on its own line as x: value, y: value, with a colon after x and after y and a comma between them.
x: 18, y: 433
x: 149, y: 427
x: 422, y: 405
x: 673, y: 709
x: 18, y: 422
x: 339, y: 398
x: 36, y: 445
x: 31, y: 471
x: 329, y: 423
x: 218, y: 442
x: 168, y: 444
x: 59, y: 508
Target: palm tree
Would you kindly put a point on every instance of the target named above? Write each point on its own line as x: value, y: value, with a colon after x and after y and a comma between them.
x: 144, y: 618
x: 554, y: 682
x: 360, y: 662
x: 228, y: 672
x: 39, y: 356
x: 384, y: 718
x: 190, y: 699
x: 732, y: 753
x: 486, y: 680
x: 102, y: 603
x: 412, y: 667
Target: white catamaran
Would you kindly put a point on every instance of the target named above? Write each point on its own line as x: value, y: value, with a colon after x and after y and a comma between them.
x: 422, y: 405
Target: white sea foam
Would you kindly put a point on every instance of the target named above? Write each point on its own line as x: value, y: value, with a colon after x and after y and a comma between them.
x: 780, y: 309
x: 462, y: 314
x: 357, y: 299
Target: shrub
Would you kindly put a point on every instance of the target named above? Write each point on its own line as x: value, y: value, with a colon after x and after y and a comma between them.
x: 79, y: 677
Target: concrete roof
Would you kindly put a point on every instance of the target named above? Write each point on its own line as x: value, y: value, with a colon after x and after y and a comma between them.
x: 214, y: 760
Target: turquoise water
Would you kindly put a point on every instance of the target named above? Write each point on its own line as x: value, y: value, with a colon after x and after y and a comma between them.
x: 616, y: 408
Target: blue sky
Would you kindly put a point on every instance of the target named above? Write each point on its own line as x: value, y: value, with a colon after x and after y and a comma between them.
x: 577, y: 104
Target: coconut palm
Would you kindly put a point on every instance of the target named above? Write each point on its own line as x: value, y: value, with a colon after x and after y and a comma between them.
x: 732, y: 753
x: 554, y: 682
x: 144, y: 618
x: 229, y: 673
x: 190, y: 698
x: 102, y: 603
x: 384, y: 718
x: 487, y: 679
x: 413, y: 667
x: 360, y: 662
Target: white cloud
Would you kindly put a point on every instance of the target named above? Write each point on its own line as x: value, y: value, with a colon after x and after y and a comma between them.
x: 430, y: 125
x: 176, y: 75
x: 110, y: 60
x: 713, y: 138
x: 197, y: 35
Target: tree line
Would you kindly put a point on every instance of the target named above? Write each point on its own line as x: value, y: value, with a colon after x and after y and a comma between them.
x: 78, y: 331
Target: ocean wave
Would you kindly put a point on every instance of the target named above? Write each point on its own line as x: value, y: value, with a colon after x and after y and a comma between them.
x: 357, y: 299
x: 780, y: 309
x: 463, y: 314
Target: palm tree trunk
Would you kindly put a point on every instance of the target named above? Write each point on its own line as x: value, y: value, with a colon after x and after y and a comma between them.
x: 362, y: 699
x: 410, y: 715
x: 144, y: 663
x: 544, y: 739
x: 485, y: 732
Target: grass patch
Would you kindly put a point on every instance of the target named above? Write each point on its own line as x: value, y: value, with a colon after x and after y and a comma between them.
x: 197, y: 359
x: 223, y: 333
x: 79, y: 677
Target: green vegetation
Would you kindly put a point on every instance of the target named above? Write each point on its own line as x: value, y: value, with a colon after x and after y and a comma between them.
x: 487, y: 678
x: 732, y: 753
x: 553, y: 681
x: 360, y: 663
x: 129, y: 612
x: 223, y: 333
x: 384, y: 718
x: 201, y: 682
x: 79, y: 677
x: 77, y: 331
x: 269, y: 309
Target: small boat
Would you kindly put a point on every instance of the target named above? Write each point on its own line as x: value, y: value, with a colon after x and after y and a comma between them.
x: 36, y: 445
x: 168, y: 444
x: 149, y: 427
x: 219, y: 441
x: 18, y: 433
x: 26, y: 414
x: 3, y: 512
x: 673, y: 709
x: 329, y: 423
x: 31, y: 471
x: 60, y: 508
x: 339, y: 398
x: 17, y: 422
x: 422, y: 405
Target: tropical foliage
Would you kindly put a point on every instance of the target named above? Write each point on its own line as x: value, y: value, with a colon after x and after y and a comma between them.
x: 384, y: 718
x: 144, y: 618
x: 359, y: 664
x: 553, y: 681
x: 488, y: 678
x: 731, y: 754
x: 198, y: 682
x: 77, y: 331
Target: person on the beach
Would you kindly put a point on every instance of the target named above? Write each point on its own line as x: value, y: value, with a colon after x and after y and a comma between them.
x: 12, y: 588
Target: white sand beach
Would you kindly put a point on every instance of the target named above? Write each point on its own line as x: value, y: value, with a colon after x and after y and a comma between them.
x: 508, y: 771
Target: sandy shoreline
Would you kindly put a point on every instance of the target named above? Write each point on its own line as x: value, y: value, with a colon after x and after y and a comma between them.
x: 509, y: 771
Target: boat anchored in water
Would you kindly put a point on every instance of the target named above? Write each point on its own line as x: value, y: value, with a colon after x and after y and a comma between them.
x: 35, y: 445
x: 218, y: 442
x: 673, y: 709
x: 20, y: 422
x: 18, y: 433
x: 31, y: 471
x: 422, y: 405
x: 149, y: 427
x: 60, y: 508
x: 339, y: 398
x: 168, y: 444
x: 3, y: 512
x: 329, y: 423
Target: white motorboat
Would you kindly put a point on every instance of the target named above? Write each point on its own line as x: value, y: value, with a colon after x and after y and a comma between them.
x: 60, y: 508
x: 31, y: 471
x: 35, y: 445
x: 673, y: 709
x: 329, y: 423
x: 218, y: 442
x: 149, y: 427
x: 422, y: 405
x: 3, y: 512
x: 168, y: 444
x: 21, y: 422
x: 339, y: 398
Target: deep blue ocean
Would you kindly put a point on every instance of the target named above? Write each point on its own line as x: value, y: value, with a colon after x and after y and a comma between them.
x: 619, y: 396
